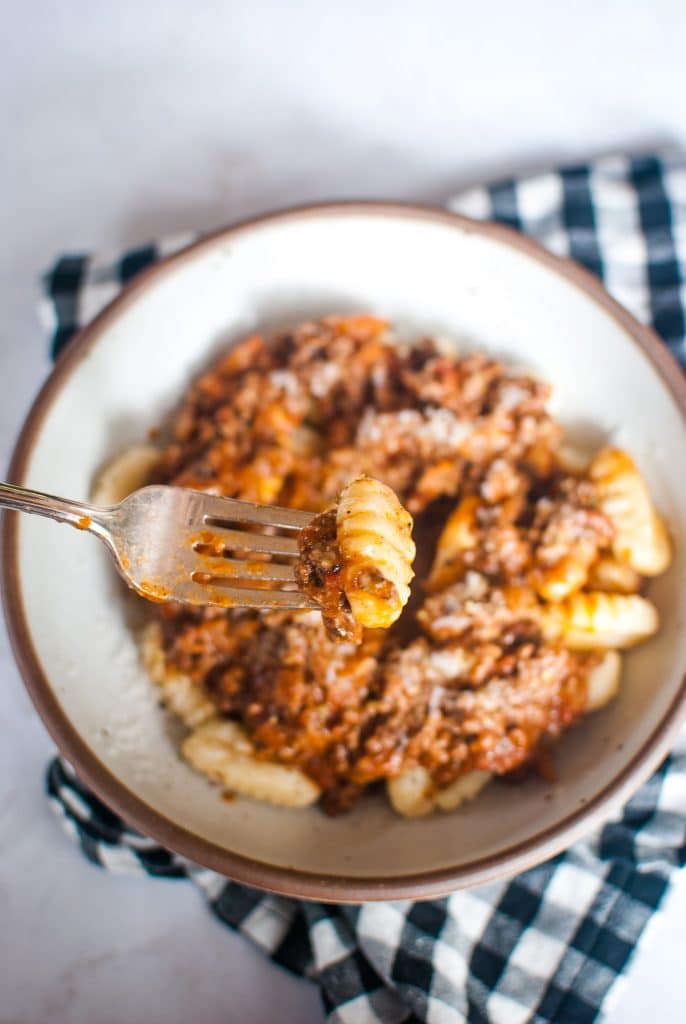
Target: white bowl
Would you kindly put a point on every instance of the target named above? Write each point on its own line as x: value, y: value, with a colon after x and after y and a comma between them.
x: 431, y: 273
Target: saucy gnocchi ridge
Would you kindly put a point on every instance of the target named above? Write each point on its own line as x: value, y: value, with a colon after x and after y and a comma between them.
x: 530, y: 568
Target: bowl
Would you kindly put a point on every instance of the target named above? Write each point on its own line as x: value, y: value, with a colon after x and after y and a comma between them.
x: 431, y: 272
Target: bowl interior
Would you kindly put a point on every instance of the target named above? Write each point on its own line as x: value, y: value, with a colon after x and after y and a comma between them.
x: 429, y: 276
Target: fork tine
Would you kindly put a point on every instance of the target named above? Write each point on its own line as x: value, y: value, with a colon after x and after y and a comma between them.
x: 224, y: 511
x: 246, y: 597
x: 235, y: 568
x: 241, y: 540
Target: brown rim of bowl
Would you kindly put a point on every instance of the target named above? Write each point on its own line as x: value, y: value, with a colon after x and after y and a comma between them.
x: 290, y: 881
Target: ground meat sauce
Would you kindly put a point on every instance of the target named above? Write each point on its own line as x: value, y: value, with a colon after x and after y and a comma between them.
x: 464, y: 680
x: 318, y: 572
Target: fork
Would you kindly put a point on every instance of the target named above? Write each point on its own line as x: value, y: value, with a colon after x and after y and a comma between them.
x: 175, y: 544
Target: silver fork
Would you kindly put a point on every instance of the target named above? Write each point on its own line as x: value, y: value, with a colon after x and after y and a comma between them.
x: 173, y: 544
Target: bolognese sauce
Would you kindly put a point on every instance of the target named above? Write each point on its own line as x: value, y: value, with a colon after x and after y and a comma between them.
x: 468, y: 679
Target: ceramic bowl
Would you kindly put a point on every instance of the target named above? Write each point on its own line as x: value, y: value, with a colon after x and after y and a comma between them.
x: 431, y: 272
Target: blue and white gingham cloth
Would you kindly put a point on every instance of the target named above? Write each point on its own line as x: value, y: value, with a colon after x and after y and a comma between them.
x: 552, y: 944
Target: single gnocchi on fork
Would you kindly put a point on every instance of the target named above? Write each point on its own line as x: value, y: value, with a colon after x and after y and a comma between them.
x: 356, y: 559
x: 374, y: 532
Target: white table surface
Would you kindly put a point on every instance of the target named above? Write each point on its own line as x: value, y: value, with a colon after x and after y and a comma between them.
x: 125, y: 120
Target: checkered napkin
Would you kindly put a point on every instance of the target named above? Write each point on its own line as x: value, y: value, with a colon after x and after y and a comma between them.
x: 551, y: 944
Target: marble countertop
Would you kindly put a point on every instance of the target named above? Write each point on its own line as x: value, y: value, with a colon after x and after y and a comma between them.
x: 126, y: 121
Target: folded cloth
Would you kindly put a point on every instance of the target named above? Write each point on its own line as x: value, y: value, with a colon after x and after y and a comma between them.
x: 552, y: 944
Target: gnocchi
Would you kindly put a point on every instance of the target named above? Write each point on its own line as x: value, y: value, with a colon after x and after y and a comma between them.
x: 221, y: 750
x: 458, y: 535
x: 602, y: 682
x: 374, y: 534
x: 179, y: 693
x: 413, y: 794
x: 570, y: 574
x: 124, y: 474
x: 609, y: 573
x: 599, y: 621
x: 572, y: 459
x: 641, y: 538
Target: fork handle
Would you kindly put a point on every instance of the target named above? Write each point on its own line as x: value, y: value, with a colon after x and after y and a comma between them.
x: 63, y: 510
